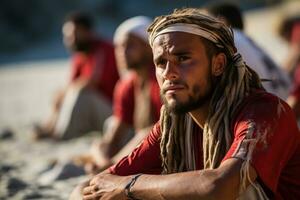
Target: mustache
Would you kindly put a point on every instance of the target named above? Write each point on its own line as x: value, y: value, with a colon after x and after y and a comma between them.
x: 169, y: 84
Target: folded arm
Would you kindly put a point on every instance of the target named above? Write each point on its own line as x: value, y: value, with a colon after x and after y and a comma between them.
x: 220, y: 183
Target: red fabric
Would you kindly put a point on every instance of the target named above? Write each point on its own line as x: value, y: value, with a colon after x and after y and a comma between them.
x: 144, y: 159
x: 123, y: 106
x: 276, y: 157
x: 295, y: 33
x: 296, y: 83
x: 98, y: 65
x: 124, y: 98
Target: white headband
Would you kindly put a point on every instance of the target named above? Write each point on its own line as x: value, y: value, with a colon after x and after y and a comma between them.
x: 187, y: 28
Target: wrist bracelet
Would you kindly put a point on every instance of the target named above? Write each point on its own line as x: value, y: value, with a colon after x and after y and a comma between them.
x: 128, y: 193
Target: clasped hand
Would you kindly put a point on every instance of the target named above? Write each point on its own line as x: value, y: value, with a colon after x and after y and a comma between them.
x: 106, y: 187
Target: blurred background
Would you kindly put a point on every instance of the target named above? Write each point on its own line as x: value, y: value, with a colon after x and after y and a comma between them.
x: 34, y: 62
x: 32, y: 29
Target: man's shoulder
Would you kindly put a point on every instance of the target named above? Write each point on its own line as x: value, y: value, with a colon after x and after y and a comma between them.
x: 262, y: 97
x: 125, y: 85
x: 127, y: 80
x: 155, y: 133
x: 263, y: 107
x: 101, y: 43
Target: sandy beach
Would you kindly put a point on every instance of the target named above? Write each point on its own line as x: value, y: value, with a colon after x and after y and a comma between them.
x: 26, y: 91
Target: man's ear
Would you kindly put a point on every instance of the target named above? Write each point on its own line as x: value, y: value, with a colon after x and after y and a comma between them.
x: 219, y: 62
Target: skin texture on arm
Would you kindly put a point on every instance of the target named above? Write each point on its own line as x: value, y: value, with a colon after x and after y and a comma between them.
x: 220, y: 183
x: 102, y: 161
x: 131, y: 145
x: 102, y: 151
x: 109, y: 145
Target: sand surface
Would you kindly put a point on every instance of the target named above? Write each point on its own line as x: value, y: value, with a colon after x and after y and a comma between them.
x: 26, y: 91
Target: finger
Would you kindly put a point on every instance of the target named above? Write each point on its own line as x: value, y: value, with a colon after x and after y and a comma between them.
x: 94, y: 196
x: 89, y: 197
x: 92, y: 189
x: 88, y: 190
x: 93, y: 181
x: 95, y: 188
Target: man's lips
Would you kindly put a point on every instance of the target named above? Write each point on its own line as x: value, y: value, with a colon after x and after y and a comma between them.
x: 173, y: 88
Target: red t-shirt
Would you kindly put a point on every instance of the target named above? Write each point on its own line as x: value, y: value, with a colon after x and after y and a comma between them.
x: 124, y: 98
x: 276, y: 156
x: 98, y: 65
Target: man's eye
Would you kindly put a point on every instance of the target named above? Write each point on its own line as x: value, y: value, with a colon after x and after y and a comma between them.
x: 160, y: 63
x: 183, y: 58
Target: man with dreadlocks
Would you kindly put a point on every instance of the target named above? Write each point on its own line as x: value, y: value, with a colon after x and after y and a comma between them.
x: 220, y: 135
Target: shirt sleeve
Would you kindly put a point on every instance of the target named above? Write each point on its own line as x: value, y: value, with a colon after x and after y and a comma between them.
x: 76, y: 65
x: 123, y: 107
x: 145, y: 158
x: 265, y: 132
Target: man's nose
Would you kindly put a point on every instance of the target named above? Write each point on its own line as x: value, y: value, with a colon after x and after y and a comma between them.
x: 171, y: 71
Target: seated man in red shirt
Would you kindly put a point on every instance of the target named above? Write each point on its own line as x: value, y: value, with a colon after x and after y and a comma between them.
x: 86, y: 101
x: 220, y: 134
x: 136, y: 97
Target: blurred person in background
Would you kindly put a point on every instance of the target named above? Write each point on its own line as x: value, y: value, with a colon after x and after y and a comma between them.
x: 137, y: 103
x: 275, y: 79
x: 84, y: 104
x: 290, y: 31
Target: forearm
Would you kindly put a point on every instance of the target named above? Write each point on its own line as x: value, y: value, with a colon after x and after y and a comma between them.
x: 220, y: 183
x: 187, y: 185
x: 179, y: 186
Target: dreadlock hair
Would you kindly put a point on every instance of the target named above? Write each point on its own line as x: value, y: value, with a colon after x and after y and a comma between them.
x: 235, y: 83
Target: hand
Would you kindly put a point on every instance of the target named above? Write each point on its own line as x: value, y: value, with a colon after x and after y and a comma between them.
x: 94, y: 168
x: 106, y: 186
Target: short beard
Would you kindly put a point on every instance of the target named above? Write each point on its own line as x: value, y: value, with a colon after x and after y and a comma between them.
x: 192, y: 103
